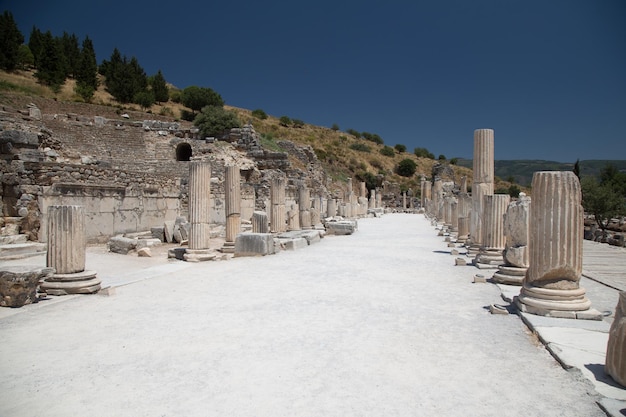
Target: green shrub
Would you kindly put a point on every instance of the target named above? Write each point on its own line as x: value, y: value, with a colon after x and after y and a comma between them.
x: 423, y: 153
x: 259, y: 114
x: 406, y: 168
x: 388, y: 151
x: 400, y: 148
x: 361, y: 147
x: 335, y: 127
x: 284, y: 121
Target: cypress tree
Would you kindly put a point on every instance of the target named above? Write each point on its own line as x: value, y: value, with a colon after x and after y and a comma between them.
x: 50, y: 69
x: 35, y: 44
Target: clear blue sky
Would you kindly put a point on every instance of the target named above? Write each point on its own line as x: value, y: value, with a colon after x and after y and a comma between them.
x: 548, y: 76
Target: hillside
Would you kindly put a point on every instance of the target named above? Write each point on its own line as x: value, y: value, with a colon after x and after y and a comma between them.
x: 334, y: 148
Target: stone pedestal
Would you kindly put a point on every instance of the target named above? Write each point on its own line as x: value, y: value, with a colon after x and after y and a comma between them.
x: 616, y: 348
x: 551, y: 285
x: 66, y: 253
x: 494, y: 207
x: 278, y: 222
x: 199, y: 200
x: 516, y: 222
x: 232, y: 191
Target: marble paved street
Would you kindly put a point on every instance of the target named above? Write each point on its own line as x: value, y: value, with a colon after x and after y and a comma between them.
x: 380, y: 323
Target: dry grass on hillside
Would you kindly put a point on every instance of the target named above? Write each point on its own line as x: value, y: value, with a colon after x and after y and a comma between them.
x: 333, y: 148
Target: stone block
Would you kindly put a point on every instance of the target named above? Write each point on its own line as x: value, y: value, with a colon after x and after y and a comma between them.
x: 158, y: 233
x: 254, y: 244
x: 343, y: 227
x: 168, y: 230
x: 147, y: 243
x: 122, y: 245
x: 293, y: 244
x: 460, y: 262
x: 479, y: 278
x: 177, y: 253
x: 18, y: 284
x: 498, y: 309
x: 144, y: 253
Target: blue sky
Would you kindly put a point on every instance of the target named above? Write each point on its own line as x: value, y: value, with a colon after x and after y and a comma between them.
x: 548, y: 76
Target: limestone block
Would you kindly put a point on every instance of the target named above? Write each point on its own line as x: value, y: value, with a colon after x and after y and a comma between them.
x: 121, y: 244
x: 147, y: 243
x: 516, y: 256
x: 254, y: 244
x: 343, y: 227
x: 168, y: 229
x: 158, y: 233
x: 18, y: 284
x: 144, y: 253
x: 616, y: 347
x: 293, y: 244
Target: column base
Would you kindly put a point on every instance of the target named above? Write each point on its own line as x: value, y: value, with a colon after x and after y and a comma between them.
x: 556, y: 303
x: 84, y: 282
x: 510, y: 275
x: 199, y: 255
x: 489, y: 259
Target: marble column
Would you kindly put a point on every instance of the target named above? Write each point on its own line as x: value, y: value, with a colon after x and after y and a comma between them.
x: 278, y: 221
x: 454, y: 215
x: 483, y: 180
x: 379, y: 199
x: 404, y: 201
x: 372, y: 202
x: 199, y: 212
x: 316, y: 211
x: 463, y: 187
x: 615, y: 364
x: 437, y: 200
x: 331, y: 207
x: 463, y: 233
x: 232, y: 191
x: 515, y: 254
x: 551, y: 286
x: 494, y: 207
x: 304, y: 204
x: 66, y: 253
x: 428, y: 186
x: 423, y: 192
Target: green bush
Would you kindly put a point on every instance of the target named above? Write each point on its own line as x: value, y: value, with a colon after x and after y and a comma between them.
x: 297, y: 123
x: 400, y: 148
x: 259, y: 114
x: 423, y: 153
x: 388, y: 151
x: 335, y: 127
x: 361, y: 147
x: 406, y: 168
x: 284, y: 121
x: 215, y: 120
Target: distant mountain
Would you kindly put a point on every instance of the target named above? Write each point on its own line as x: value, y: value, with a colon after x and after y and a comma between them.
x: 521, y: 170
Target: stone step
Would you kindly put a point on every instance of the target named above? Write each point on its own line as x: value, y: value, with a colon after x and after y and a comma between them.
x: 11, y: 239
x: 21, y: 250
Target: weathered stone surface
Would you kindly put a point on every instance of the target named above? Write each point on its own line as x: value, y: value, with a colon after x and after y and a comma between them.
x: 342, y: 227
x: 551, y: 283
x: 144, y: 253
x: 293, y: 244
x: 158, y: 233
x: 254, y: 244
x: 84, y: 282
x: 616, y: 347
x: 121, y: 244
x: 66, y: 239
x: 147, y: 243
x: 260, y: 223
x: 168, y: 230
x: 199, y: 204
x: 18, y: 284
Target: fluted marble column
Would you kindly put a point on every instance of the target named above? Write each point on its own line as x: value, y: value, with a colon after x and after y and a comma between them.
x: 437, y: 201
x: 199, y: 212
x: 232, y: 190
x: 66, y: 253
x: 483, y: 180
x: 615, y: 364
x: 551, y: 285
x: 494, y: 207
x: 379, y: 199
x: 454, y: 215
x: 515, y: 254
x: 304, y: 203
x: 316, y: 211
x: 463, y: 233
x: 278, y: 221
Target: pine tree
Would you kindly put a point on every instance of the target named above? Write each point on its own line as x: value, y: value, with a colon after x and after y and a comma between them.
x: 35, y: 44
x: 50, y: 69
x: 87, y: 71
x: 159, y: 87
x: 71, y: 51
x: 10, y: 40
